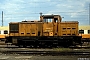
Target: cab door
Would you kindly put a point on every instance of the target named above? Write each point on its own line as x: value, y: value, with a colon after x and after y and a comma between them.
x: 55, y: 26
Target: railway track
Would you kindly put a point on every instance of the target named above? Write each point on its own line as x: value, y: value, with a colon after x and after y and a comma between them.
x: 81, y: 50
x: 80, y: 47
x: 72, y: 47
x: 13, y: 46
x: 55, y: 53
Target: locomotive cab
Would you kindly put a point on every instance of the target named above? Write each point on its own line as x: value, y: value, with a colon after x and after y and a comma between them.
x: 50, y: 24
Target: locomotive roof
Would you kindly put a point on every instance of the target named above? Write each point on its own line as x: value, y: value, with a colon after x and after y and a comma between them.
x: 31, y: 22
x: 49, y: 16
x: 69, y: 22
x: 27, y: 22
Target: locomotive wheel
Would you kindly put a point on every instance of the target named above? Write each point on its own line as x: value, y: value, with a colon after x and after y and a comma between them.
x: 20, y: 45
x: 24, y: 46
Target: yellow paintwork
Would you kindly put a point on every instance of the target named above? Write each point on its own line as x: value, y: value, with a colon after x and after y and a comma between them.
x: 84, y: 27
x: 54, y: 28
x: 4, y: 28
x: 85, y: 35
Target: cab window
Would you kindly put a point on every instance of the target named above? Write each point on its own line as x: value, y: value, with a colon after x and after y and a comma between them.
x: 47, y: 20
x: 88, y: 31
x: 5, y: 32
x: 81, y: 31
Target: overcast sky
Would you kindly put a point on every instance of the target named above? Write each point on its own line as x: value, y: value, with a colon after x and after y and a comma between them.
x: 18, y: 10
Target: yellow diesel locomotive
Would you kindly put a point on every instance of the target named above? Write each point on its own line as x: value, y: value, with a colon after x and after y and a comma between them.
x: 49, y: 31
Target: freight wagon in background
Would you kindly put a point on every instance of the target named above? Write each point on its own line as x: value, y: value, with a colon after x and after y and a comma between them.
x: 4, y: 30
x: 84, y: 31
x: 50, y: 31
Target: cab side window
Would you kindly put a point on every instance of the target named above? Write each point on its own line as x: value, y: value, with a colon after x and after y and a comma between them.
x: 88, y: 31
x: 47, y: 20
x: 81, y: 31
x: 5, y: 32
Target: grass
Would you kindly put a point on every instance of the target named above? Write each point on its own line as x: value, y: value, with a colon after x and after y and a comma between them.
x: 62, y: 49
